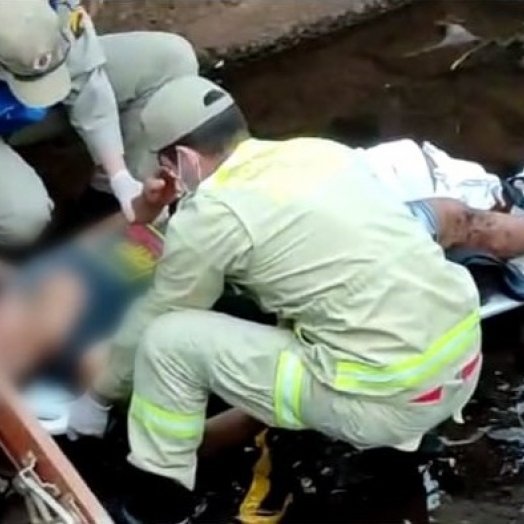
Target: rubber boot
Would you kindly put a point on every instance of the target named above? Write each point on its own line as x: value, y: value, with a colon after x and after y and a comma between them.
x: 152, y: 499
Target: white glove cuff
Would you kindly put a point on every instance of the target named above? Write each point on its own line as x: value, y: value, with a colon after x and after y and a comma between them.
x: 126, y: 188
x: 97, y: 403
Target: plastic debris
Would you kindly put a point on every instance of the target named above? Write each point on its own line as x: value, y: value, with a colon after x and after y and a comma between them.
x: 475, y: 437
x: 433, y: 499
x: 508, y: 435
x: 454, y: 35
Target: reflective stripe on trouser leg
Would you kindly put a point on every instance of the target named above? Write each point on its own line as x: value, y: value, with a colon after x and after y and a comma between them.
x: 167, y: 412
x: 153, y: 418
x: 288, y: 391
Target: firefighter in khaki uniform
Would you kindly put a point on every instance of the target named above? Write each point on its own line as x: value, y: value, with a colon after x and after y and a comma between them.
x: 51, y: 55
x: 379, y: 339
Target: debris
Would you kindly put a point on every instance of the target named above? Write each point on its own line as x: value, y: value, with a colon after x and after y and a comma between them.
x: 480, y: 433
x: 432, y: 486
x: 455, y: 35
x: 509, y: 435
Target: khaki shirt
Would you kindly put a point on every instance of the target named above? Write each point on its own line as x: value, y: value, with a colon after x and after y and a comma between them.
x: 91, y: 105
x: 309, y: 232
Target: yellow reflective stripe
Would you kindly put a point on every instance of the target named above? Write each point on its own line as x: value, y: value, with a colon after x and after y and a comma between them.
x: 159, y: 420
x: 414, y: 371
x: 288, y: 391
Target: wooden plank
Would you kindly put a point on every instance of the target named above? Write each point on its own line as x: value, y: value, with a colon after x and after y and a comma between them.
x: 22, y: 438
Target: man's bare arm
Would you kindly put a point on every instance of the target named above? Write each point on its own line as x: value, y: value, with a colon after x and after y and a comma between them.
x: 460, y: 226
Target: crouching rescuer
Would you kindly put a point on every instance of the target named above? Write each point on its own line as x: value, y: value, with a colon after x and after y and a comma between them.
x: 378, y: 340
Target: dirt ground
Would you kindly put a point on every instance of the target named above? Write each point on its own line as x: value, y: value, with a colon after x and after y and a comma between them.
x: 231, y: 27
x: 374, y: 76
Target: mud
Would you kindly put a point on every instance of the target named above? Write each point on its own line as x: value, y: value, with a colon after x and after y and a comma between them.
x: 241, y: 28
x: 365, y: 79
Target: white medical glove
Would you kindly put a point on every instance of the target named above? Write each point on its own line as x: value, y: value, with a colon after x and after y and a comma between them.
x: 88, y: 418
x: 126, y: 189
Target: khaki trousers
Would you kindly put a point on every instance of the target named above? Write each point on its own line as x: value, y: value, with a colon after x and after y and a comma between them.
x: 184, y: 356
x: 138, y: 64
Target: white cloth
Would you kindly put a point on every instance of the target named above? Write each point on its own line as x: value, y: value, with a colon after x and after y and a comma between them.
x: 414, y: 173
x: 51, y: 404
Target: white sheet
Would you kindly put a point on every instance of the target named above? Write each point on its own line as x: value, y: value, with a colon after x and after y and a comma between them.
x: 414, y: 172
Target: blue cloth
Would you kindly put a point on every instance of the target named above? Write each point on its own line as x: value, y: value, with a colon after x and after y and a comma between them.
x: 492, y: 274
x: 114, y: 271
x: 423, y: 212
x: 14, y: 115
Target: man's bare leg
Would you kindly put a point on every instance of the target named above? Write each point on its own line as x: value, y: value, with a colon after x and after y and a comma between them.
x: 460, y: 226
x: 228, y: 430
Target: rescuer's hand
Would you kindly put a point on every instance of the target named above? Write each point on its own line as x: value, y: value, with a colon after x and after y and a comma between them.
x: 126, y: 189
x: 158, y: 193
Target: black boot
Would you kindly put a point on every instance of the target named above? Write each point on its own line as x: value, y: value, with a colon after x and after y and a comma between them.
x: 152, y: 499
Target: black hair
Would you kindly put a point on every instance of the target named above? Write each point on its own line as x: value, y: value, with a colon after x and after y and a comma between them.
x: 219, y: 133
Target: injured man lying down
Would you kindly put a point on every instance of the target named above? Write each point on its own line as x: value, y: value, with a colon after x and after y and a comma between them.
x: 57, y: 310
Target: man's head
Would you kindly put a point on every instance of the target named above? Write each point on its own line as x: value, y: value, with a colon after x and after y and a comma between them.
x: 33, y: 50
x: 193, y: 125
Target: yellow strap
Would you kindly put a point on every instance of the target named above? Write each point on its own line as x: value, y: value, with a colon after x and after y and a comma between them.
x: 76, y: 22
x: 251, y: 510
x: 159, y: 420
x: 416, y: 370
